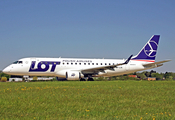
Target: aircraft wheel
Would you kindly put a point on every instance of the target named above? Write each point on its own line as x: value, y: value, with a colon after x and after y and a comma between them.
x: 82, y: 79
x: 90, y: 79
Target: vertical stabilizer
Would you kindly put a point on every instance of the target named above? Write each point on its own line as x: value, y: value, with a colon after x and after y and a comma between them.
x: 148, y: 52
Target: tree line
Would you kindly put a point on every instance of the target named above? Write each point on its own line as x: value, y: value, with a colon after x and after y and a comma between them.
x: 145, y: 74
x: 140, y: 75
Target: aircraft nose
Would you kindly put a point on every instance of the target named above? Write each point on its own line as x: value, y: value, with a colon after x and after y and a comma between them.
x: 6, y: 70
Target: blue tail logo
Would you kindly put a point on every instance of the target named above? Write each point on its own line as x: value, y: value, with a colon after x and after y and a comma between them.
x: 148, y: 52
x: 151, y: 49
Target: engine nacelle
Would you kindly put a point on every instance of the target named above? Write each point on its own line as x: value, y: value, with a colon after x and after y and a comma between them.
x: 73, y: 75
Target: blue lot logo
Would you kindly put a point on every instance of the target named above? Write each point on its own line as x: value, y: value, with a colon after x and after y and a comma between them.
x: 73, y: 74
x: 151, y: 49
x: 43, y: 66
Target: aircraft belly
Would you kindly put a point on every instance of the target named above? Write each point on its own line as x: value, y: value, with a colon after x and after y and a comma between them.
x: 40, y: 74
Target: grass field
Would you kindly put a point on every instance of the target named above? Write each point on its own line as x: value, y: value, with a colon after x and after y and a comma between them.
x: 146, y: 100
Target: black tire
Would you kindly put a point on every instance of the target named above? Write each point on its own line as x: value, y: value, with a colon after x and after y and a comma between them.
x: 90, y: 79
x: 82, y: 79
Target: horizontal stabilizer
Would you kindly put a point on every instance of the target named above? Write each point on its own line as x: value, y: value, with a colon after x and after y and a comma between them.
x: 155, y: 64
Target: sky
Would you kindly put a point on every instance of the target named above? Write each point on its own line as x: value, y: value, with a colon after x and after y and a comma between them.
x: 85, y: 29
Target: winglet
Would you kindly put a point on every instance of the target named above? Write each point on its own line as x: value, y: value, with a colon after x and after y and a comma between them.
x: 127, y: 61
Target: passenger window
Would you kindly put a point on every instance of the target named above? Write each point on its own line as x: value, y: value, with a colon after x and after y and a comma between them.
x: 75, y: 63
x: 101, y: 64
x: 92, y: 63
x: 84, y: 63
x: 105, y: 63
x: 67, y: 63
x: 71, y: 63
x: 88, y: 63
x: 109, y: 63
x: 80, y: 63
x: 96, y: 63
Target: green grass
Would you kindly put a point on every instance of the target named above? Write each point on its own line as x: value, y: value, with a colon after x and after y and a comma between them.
x: 146, y: 100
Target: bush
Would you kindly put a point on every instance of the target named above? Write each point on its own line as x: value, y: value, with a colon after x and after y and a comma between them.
x: 35, y: 78
x: 3, y: 79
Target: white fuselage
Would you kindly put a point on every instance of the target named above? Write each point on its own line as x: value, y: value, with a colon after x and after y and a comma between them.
x: 59, y: 66
x: 78, y: 68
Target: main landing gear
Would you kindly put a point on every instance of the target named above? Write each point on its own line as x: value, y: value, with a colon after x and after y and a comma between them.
x: 82, y: 79
x: 89, y: 79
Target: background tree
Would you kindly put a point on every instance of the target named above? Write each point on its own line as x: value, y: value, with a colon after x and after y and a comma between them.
x: 4, y: 75
x: 141, y: 75
x: 167, y: 74
x: 157, y: 76
x: 148, y: 74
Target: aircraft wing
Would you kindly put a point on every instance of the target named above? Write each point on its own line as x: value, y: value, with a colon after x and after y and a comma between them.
x: 155, y: 64
x: 101, y: 69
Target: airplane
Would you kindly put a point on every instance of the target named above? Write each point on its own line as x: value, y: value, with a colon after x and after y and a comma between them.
x: 82, y: 69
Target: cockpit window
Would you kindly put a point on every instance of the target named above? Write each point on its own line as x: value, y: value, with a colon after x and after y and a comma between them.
x: 17, y: 62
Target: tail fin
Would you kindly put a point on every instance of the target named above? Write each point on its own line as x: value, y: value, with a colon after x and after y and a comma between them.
x: 148, y: 52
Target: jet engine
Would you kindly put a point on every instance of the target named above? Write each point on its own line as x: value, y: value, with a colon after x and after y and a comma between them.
x: 73, y: 75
